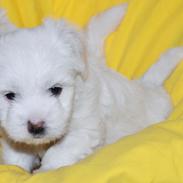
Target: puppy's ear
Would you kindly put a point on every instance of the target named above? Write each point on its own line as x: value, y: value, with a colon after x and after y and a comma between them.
x: 73, y: 38
x: 101, y: 26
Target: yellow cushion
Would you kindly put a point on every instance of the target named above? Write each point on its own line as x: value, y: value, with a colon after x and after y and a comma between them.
x: 149, y: 28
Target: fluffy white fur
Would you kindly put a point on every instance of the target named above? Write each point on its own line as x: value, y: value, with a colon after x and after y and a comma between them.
x: 97, y: 106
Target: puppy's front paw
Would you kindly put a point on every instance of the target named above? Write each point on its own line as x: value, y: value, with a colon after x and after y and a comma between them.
x: 45, y: 169
x: 41, y: 169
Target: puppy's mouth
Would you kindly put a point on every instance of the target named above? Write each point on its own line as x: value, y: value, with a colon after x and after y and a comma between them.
x: 38, y: 136
x: 41, y: 140
x: 31, y: 146
x: 36, y: 139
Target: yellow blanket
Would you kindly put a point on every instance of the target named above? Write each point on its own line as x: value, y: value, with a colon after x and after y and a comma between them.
x: 149, y: 28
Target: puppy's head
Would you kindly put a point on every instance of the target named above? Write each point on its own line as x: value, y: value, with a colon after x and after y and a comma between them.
x: 38, y: 70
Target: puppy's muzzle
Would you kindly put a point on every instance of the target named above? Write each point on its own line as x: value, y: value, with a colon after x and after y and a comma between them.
x: 36, y: 128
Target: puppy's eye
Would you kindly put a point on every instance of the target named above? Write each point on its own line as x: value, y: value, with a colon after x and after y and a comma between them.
x: 56, y: 91
x: 10, y: 96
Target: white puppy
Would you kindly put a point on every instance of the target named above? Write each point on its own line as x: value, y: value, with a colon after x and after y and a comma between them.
x: 59, y: 100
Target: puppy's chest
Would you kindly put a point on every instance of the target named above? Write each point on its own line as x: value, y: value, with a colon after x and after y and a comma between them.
x: 40, y: 154
x: 38, y: 158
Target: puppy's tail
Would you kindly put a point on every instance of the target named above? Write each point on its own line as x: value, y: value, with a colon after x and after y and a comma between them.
x: 5, y: 26
x: 101, y: 26
x: 159, y: 72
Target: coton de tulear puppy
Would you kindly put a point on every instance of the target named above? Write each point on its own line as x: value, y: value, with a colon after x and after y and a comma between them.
x: 58, y: 99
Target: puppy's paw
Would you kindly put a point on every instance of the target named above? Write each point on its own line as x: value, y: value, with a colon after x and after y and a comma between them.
x: 39, y: 170
x: 43, y: 169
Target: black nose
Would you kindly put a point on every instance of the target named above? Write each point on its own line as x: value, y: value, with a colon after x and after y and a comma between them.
x: 36, y: 128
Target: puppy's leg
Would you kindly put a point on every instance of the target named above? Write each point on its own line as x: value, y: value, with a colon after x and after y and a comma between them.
x: 18, y: 158
x: 75, y: 146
